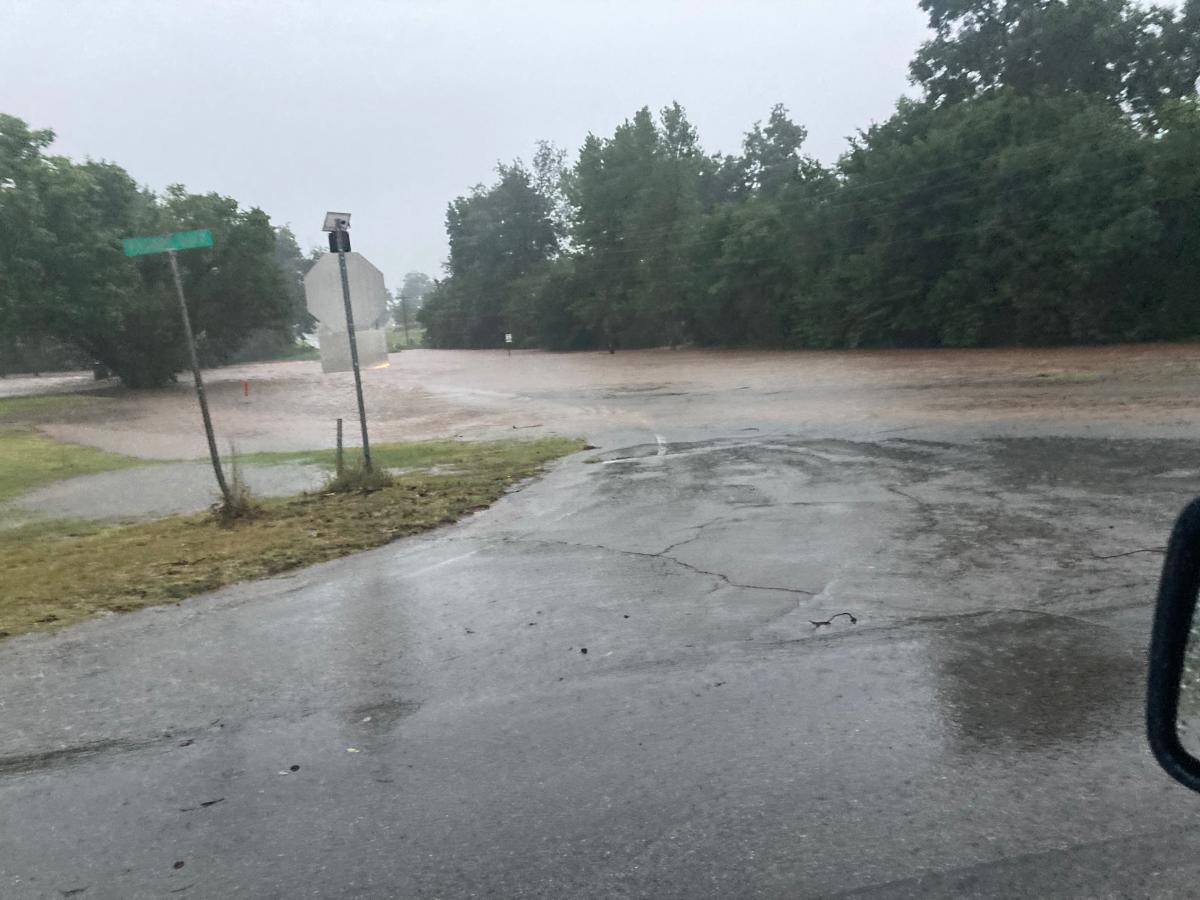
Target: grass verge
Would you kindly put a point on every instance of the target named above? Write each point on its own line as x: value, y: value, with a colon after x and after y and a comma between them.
x: 29, y: 460
x: 36, y: 406
x: 417, y: 455
x: 57, y: 576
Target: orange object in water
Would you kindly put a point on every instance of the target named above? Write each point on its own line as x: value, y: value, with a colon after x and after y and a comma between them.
x: 245, y: 389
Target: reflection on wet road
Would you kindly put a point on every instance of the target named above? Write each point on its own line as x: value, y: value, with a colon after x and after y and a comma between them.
x: 1039, y: 683
x: 631, y: 679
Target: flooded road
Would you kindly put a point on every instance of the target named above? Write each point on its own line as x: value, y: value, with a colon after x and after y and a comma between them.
x: 1136, y: 390
x: 989, y: 522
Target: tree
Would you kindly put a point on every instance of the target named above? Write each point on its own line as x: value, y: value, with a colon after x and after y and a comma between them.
x: 1132, y: 55
x: 498, y: 235
x: 292, y: 267
x: 409, y: 299
x: 1008, y: 219
x: 1042, y: 189
x: 62, y: 272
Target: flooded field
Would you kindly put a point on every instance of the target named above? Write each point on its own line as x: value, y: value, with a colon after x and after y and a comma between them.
x: 1131, y: 390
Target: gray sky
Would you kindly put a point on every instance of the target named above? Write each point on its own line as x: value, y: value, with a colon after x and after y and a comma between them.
x: 389, y: 110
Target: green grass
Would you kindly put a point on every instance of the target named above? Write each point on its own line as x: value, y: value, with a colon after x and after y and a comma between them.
x: 417, y: 455
x: 38, y: 405
x: 395, y: 338
x: 29, y: 460
x: 66, y: 572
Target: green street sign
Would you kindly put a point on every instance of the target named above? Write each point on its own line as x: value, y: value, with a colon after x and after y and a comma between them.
x: 180, y: 240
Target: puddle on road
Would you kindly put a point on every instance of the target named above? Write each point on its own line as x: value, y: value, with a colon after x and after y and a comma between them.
x: 1036, y: 683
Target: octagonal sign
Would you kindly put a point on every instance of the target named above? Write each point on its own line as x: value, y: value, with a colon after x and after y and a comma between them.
x: 368, y: 296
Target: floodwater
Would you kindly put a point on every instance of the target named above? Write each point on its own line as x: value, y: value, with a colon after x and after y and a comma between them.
x: 1132, y: 390
x: 868, y: 623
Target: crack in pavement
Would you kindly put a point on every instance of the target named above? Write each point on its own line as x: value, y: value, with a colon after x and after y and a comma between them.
x: 721, y: 576
x: 699, y: 529
x: 924, y: 508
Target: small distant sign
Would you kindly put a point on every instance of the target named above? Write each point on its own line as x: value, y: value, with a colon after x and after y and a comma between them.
x: 507, y: 338
x: 161, y: 243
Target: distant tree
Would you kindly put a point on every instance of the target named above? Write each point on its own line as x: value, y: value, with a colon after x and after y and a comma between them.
x: 292, y: 266
x: 771, y: 156
x: 498, y: 236
x: 410, y: 297
x: 1009, y: 219
x: 550, y: 179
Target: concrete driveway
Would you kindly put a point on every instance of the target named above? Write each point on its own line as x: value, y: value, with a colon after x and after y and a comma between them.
x: 422, y: 720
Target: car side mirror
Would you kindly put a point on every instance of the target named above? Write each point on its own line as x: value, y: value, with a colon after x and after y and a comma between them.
x: 1173, y: 683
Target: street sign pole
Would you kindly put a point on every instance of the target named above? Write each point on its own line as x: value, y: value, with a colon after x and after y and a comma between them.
x: 362, y: 409
x: 191, y: 345
x: 170, y: 244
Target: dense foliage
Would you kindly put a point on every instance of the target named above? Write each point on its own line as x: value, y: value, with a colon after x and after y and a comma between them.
x: 1043, y: 188
x: 63, y: 276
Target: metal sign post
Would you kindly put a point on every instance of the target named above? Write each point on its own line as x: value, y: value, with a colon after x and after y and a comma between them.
x: 338, y: 224
x: 171, y: 244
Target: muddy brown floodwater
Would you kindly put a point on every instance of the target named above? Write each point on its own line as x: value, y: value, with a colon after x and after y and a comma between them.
x: 868, y: 622
x: 1130, y: 390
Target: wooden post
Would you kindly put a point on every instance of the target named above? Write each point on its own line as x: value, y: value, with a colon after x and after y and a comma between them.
x: 339, y: 462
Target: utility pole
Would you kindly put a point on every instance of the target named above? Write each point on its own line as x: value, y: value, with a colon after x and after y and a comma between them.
x: 338, y: 226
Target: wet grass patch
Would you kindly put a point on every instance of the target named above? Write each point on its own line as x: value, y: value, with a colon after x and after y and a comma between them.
x: 29, y: 460
x: 57, y: 573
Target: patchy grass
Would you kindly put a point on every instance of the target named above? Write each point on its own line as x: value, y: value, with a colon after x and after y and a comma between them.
x: 54, y: 576
x: 396, y: 341
x: 417, y: 455
x: 38, y: 406
x: 359, y: 478
x: 29, y: 460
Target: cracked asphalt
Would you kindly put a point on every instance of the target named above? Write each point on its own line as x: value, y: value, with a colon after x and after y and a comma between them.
x: 631, y: 679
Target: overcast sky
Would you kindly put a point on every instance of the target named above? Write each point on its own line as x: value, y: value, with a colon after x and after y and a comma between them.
x: 389, y: 110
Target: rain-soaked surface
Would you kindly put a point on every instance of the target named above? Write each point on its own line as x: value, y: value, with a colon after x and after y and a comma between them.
x: 991, y: 521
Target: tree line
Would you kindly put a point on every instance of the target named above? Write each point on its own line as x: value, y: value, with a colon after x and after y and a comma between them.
x: 1043, y: 188
x: 63, y: 276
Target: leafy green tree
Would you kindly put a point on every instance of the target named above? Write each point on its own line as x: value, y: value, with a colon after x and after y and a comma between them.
x: 1009, y: 219
x: 292, y: 265
x: 1120, y: 50
x: 498, y: 236
x: 1175, y: 268
x: 62, y: 272
x: 410, y: 297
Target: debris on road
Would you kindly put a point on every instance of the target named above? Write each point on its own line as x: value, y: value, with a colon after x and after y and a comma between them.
x: 829, y: 621
x: 204, y: 805
x: 1131, y: 552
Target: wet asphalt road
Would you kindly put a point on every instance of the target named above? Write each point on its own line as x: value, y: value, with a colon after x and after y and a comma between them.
x: 976, y: 732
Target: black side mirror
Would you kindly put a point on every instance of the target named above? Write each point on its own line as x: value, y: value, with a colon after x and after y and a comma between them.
x: 1173, y: 688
